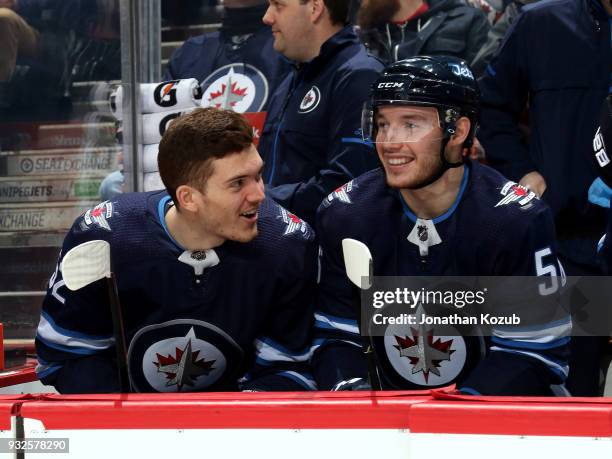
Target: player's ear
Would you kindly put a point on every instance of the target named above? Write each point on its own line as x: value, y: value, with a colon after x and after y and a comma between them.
x: 186, y: 197
x: 462, y: 130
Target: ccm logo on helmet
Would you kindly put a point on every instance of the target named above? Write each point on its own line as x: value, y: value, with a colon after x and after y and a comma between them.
x: 390, y: 85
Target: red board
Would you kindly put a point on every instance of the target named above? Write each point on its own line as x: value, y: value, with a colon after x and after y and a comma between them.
x: 18, y: 375
x: 303, y: 410
x: 1, y: 347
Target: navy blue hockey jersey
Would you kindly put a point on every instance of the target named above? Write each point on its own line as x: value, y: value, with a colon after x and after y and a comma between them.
x: 494, y: 228
x: 237, y: 76
x: 241, y: 319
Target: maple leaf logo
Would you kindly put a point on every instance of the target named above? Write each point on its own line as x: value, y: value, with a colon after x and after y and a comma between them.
x: 183, y: 368
x: 519, y: 191
x: 293, y: 222
x: 225, y: 99
x: 424, y: 353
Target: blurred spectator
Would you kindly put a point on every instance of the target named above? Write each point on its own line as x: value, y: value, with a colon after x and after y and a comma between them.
x: 556, y: 56
x: 496, y: 34
x: 311, y: 142
x: 243, y: 39
x: 40, y: 77
x: 16, y: 36
x: 398, y: 29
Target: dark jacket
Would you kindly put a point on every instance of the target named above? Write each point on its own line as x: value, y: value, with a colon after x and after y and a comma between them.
x: 311, y: 142
x: 496, y: 35
x: 557, y: 57
x: 448, y: 27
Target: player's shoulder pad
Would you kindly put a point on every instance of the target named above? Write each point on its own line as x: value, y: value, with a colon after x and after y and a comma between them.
x: 276, y: 222
x: 504, y: 196
x: 347, y: 198
x: 107, y: 217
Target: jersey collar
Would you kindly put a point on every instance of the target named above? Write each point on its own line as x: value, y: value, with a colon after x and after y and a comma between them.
x: 162, y: 207
x: 451, y: 209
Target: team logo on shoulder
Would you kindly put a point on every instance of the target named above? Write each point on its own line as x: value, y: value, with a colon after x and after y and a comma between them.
x: 238, y: 87
x: 423, y: 358
x: 310, y: 101
x: 341, y: 194
x: 99, y: 215
x: 294, y: 223
x: 182, y: 356
x: 514, y: 192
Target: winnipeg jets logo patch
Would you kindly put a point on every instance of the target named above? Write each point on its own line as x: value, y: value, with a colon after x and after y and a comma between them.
x: 341, y: 194
x: 294, y: 223
x: 99, y: 215
x: 184, y: 366
x: 310, y: 101
x: 182, y: 355
x: 514, y: 192
x: 423, y: 358
x: 238, y: 87
x: 183, y: 363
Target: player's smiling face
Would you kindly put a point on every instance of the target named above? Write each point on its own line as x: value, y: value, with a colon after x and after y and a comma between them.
x: 408, y: 144
x: 229, y: 204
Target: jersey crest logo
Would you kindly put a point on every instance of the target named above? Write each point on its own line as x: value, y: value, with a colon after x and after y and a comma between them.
x: 238, y: 87
x: 514, y: 192
x: 99, y: 215
x: 341, y: 194
x: 310, y: 101
x: 293, y: 222
x: 424, y: 352
x: 423, y: 358
x: 184, y: 366
x: 182, y: 355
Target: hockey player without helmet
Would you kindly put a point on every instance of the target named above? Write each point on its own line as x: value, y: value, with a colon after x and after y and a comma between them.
x: 443, y: 82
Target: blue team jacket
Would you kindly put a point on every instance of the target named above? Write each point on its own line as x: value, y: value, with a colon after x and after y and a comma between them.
x: 311, y: 141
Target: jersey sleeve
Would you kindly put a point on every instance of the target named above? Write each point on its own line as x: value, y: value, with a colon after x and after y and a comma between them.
x: 282, y: 350
x: 337, y: 349
x: 74, y: 339
x: 527, y: 360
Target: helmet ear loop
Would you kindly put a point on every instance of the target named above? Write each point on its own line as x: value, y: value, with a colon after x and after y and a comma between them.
x: 449, y: 130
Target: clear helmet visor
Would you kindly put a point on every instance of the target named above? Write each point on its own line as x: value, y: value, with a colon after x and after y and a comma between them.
x: 400, y: 123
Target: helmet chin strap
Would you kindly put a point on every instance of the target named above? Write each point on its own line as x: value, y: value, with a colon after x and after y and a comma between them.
x: 444, y: 163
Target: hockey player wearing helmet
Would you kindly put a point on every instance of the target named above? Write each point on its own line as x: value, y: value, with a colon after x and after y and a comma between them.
x: 435, y: 214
